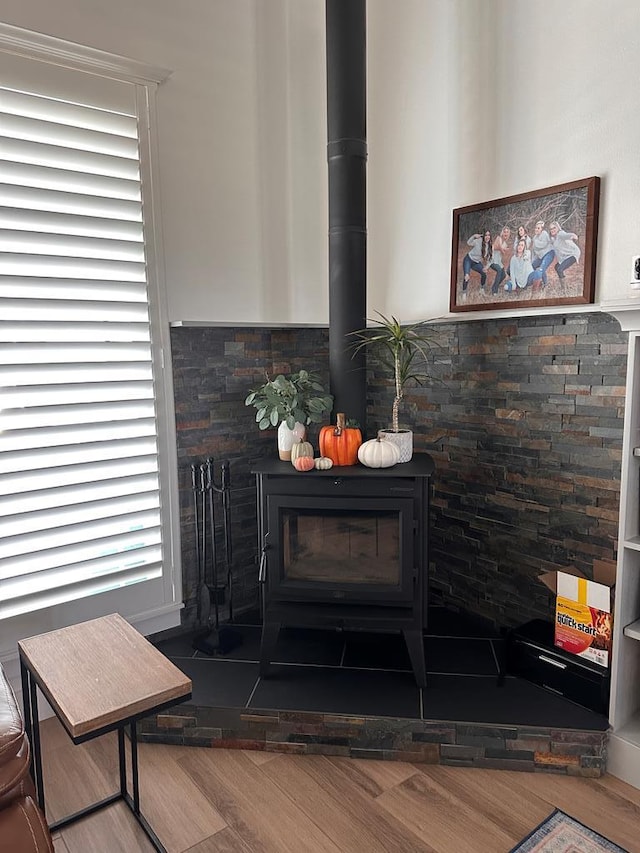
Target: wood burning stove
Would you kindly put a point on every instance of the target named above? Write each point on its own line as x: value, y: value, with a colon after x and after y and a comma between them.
x: 346, y: 547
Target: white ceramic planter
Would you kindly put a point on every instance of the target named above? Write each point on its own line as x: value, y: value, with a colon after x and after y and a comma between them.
x: 403, y: 440
x: 287, y: 437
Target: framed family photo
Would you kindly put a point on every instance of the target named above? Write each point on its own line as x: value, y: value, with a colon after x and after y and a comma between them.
x: 527, y: 250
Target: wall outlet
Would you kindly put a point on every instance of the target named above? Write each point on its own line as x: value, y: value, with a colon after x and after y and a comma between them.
x: 635, y: 269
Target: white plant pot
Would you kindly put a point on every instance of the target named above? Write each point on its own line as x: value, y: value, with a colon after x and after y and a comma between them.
x: 403, y: 440
x: 288, y: 437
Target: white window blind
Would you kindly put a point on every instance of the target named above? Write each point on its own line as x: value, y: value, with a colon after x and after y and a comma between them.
x: 80, y: 507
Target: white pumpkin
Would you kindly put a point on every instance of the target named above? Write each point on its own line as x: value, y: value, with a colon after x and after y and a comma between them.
x: 378, y: 454
x: 323, y: 463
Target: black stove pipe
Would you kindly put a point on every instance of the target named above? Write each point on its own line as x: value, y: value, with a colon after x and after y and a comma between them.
x: 347, y: 159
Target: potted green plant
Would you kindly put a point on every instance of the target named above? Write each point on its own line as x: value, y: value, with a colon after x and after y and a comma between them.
x: 404, y: 350
x: 290, y: 403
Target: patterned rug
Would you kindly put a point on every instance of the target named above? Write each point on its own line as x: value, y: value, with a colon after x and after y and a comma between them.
x: 560, y: 833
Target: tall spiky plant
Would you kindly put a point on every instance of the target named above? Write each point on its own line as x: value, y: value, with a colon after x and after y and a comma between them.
x: 404, y: 349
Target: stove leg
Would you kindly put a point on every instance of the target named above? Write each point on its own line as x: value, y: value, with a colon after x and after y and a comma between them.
x: 415, y: 645
x: 270, y: 631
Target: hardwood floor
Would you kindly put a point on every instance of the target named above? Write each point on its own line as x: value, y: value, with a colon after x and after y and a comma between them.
x: 231, y: 801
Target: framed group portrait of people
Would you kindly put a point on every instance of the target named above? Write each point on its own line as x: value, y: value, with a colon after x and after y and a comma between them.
x: 528, y: 250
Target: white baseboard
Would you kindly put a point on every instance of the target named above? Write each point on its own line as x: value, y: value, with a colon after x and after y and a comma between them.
x: 159, y: 619
x: 623, y: 760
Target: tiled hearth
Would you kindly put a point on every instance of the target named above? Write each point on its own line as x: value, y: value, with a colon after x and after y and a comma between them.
x: 352, y: 693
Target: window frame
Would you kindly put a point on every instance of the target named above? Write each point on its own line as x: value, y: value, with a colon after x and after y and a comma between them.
x: 152, y: 605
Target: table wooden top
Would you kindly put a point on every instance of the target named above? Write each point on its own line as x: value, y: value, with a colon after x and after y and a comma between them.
x: 98, y: 673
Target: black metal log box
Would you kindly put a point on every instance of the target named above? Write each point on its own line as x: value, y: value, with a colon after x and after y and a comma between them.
x: 531, y: 654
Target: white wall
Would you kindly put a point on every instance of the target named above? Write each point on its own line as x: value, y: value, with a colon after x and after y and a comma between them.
x: 468, y: 100
x: 208, y: 138
x: 292, y: 143
x: 495, y: 99
x: 428, y: 141
x: 579, y: 116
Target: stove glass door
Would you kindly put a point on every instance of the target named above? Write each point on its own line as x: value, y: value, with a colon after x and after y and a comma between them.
x: 359, y: 549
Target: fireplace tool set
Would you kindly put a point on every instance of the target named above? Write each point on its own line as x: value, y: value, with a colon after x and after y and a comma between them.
x: 212, y: 639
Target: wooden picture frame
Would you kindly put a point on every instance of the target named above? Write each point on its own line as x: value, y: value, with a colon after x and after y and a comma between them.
x: 554, y: 264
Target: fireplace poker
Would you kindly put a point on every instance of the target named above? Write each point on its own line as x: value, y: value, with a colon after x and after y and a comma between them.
x: 212, y: 528
x: 196, y: 532
x: 229, y: 637
x: 217, y: 640
x: 226, y: 510
x: 204, y: 595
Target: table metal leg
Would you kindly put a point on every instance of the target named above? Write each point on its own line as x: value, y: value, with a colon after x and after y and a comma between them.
x: 32, y: 729
x: 122, y: 761
x: 134, y: 802
x: 134, y: 768
x: 28, y: 719
x: 85, y: 812
x: 101, y: 804
x: 153, y: 838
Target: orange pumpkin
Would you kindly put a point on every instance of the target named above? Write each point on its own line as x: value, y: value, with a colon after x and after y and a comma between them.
x: 340, y: 443
x: 303, y: 463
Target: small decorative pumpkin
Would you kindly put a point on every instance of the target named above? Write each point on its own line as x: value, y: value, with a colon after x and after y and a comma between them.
x: 299, y: 449
x: 340, y: 442
x: 323, y: 463
x: 378, y: 454
x: 303, y: 463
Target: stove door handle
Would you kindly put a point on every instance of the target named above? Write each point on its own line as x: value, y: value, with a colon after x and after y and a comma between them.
x: 262, y: 571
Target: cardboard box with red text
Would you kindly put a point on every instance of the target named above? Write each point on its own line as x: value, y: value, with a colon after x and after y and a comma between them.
x: 584, y: 612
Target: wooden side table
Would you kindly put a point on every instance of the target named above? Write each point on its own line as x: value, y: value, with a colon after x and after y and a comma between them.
x: 98, y: 676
